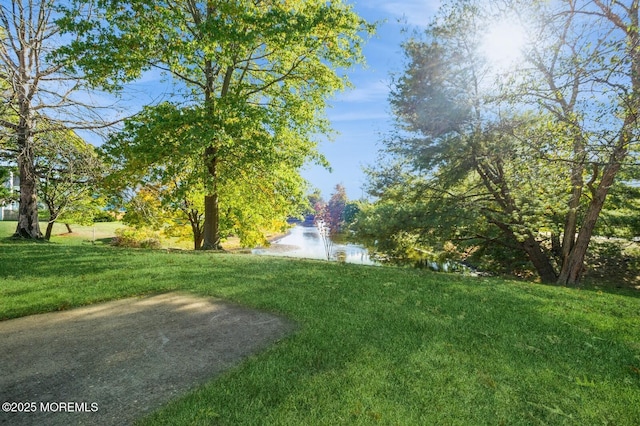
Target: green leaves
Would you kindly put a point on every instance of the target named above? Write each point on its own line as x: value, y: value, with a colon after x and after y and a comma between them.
x: 518, y: 164
x: 252, y: 80
x: 70, y: 175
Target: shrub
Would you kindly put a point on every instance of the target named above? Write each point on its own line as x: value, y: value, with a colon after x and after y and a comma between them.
x: 104, y: 216
x: 136, y: 238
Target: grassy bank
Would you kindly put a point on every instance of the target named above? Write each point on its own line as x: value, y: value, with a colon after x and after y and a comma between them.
x: 375, y: 345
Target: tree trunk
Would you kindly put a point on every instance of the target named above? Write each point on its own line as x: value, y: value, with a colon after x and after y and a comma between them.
x: 493, y: 179
x: 69, y: 230
x: 197, y: 242
x: 28, y: 226
x: 194, y: 221
x: 571, y: 222
x: 53, y: 215
x: 47, y: 234
x: 211, y: 223
x: 573, y: 266
x: 540, y: 260
x: 211, y: 231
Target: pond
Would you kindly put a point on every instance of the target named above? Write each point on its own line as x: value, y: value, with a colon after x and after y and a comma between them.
x: 306, y: 242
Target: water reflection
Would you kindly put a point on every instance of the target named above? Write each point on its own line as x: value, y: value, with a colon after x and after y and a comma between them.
x: 306, y: 242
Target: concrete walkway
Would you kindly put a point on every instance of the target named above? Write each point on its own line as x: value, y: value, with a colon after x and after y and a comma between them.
x: 112, y: 363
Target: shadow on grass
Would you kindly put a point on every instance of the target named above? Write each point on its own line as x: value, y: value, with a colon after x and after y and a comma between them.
x: 378, y: 344
x: 411, y: 348
x: 21, y: 240
x: 46, y: 259
x: 105, y: 241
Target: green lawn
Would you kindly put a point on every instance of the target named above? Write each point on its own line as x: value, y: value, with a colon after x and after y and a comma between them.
x: 103, y: 232
x: 375, y: 345
x: 99, y: 233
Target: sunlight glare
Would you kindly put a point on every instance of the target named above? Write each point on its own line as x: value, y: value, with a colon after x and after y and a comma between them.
x: 503, y: 43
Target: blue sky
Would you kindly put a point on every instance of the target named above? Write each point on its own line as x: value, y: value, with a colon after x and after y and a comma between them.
x: 361, y: 115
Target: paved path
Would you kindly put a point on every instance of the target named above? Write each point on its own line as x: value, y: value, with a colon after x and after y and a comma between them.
x: 115, y: 362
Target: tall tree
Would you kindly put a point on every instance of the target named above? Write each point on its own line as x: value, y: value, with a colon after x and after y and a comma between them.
x: 159, y: 150
x: 525, y: 158
x: 590, y: 79
x: 254, y: 76
x: 37, y: 95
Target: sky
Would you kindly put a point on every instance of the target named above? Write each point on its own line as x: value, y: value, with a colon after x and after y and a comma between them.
x: 361, y: 115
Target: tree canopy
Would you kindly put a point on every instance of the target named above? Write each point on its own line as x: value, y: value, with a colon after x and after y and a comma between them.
x: 518, y: 160
x: 252, y: 79
x: 69, y: 176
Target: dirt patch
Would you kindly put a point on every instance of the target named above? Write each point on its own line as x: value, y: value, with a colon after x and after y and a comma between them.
x: 115, y: 362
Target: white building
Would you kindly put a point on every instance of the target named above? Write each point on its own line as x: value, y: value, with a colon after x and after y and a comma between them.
x: 9, y: 211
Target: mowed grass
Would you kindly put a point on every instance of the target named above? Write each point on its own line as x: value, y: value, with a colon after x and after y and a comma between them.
x: 98, y: 233
x: 103, y: 232
x: 374, y: 345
